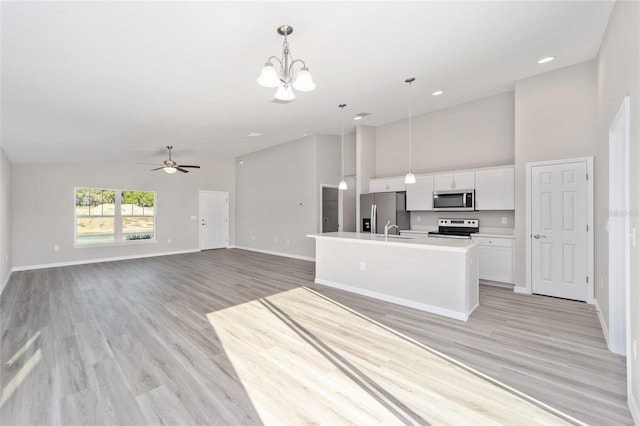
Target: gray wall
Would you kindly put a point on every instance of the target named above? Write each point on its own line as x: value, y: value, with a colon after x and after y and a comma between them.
x: 278, y: 197
x: 555, y: 117
x: 43, y: 207
x: 619, y: 75
x: 475, y: 134
x: 5, y: 220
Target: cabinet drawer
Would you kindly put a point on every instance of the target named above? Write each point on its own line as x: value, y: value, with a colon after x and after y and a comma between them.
x: 494, y: 241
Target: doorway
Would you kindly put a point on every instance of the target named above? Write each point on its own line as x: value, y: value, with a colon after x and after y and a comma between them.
x: 560, y: 228
x: 619, y: 230
x: 330, y: 209
x: 213, y: 222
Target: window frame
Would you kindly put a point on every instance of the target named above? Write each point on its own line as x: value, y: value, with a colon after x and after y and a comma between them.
x: 117, y: 219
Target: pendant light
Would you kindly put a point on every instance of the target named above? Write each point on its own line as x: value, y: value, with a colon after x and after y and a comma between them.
x: 343, y: 183
x: 410, y: 177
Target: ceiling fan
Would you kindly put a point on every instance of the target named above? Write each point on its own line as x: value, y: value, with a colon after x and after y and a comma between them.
x: 170, y: 166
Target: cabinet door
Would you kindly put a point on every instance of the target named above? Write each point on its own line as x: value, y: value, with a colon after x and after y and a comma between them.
x: 496, y: 259
x: 420, y: 194
x: 495, y: 189
x: 387, y: 184
x: 464, y: 180
x: 443, y: 182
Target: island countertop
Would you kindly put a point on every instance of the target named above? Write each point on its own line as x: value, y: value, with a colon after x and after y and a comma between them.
x: 429, y: 243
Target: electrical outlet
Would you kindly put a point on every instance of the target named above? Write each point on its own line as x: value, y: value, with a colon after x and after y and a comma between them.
x: 192, y: 218
x: 504, y: 220
x: 362, y: 266
x: 275, y: 240
x: 419, y: 218
x: 635, y: 349
x: 56, y: 248
x: 287, y: 242
x: 253, y: 237
x: 169, y: 241
x: 601, y: 282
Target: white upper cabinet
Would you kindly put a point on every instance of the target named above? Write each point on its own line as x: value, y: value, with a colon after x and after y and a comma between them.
x: 495, y: 189
x: 456, y: 180
x: 420, y: 194
x: 387, y: 184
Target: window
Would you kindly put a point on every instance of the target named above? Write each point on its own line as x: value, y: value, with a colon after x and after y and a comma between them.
x: 113, y: 215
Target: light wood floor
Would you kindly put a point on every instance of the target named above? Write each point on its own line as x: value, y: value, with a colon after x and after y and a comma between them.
x: 148, y: 341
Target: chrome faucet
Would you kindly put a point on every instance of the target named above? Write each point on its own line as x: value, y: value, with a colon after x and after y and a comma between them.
x: 387, y: 227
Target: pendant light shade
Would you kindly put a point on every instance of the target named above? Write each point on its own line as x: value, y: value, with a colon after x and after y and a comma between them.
x: 284, y: 93
x: 268, y: 76
x: 343, y: 183
x: 410, y: 178
x: 303, y: 81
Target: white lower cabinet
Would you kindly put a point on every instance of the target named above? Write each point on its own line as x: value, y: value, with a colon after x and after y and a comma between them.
x: 496, y: 259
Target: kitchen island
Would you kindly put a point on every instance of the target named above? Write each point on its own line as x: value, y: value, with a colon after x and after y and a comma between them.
x: 437, y: 275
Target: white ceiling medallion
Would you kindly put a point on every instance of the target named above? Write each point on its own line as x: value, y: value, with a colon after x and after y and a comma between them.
x: 286, y: 76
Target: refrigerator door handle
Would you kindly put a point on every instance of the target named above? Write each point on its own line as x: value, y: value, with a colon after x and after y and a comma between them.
x: 374, y: 219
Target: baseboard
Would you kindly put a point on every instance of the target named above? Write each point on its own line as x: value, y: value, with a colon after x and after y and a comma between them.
x: 497, y: 284
x: 603, y: 324
x: 397, y: 300
x: 277, y: 253
x: 521, y: 290
x: 4, y: 282
x: 106, y: 259
x: 633, y: 408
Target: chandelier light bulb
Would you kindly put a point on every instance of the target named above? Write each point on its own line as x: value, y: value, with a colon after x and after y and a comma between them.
x: 285, y: 93
x: 303, y: 81
x: 170, y: 170
x: 268, y: 76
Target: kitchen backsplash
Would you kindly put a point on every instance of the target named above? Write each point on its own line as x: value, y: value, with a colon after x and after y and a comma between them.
x: 489, y: 220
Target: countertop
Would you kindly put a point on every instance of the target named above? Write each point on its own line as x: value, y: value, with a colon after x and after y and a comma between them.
x: 445, y: 244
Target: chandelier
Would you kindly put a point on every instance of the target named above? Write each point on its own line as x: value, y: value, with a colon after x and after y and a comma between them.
x: 286, y: 76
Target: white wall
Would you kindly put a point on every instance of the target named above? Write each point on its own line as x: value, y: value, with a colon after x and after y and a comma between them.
x: 475, y: 134
x: 619, y: 75
x: 555, y: 117
x: 5, y: 220
x: 43, y: 207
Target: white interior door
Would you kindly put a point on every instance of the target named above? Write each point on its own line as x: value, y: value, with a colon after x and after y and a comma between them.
x: 214, y: 219
x: 559, y: 218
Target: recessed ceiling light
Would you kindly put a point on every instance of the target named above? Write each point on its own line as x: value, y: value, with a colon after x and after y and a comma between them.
x: 254, y: 134
x: 437, y: 93
x: 547, y: 59
x: 361, y: 115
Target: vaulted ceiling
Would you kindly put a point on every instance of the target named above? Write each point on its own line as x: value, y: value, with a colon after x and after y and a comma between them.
x: 87, y: 81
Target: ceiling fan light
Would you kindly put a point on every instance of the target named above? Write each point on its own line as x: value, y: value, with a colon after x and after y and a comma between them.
x: 285, y: 93
x: 170, y: 170
x: 303, y: 81
x: 343, y: 185
x: 268, y: 76
x: 410, y: 178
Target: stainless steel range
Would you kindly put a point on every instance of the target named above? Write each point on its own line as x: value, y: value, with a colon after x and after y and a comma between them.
x: 456, y: 228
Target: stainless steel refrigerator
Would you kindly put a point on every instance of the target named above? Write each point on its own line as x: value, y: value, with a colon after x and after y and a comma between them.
x: 379, y: 208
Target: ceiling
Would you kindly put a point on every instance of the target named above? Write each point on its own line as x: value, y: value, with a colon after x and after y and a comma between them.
x: 90, y: 81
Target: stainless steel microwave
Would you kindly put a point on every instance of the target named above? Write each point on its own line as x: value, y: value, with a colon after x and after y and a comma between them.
x: 454, y: 201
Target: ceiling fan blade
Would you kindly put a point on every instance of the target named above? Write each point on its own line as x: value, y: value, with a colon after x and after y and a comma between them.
x: 193, y: 167
x: 149, y: 164
x: 182, y: 170
x: 159, y: 168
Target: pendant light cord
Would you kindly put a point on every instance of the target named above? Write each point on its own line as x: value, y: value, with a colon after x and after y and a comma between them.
x: 410, y: 80
x: 342, y: 143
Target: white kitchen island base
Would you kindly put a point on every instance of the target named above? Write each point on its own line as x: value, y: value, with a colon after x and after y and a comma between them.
x: 431, y: 274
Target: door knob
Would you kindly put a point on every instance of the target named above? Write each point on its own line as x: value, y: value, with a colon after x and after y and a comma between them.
x: 538, y: 236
